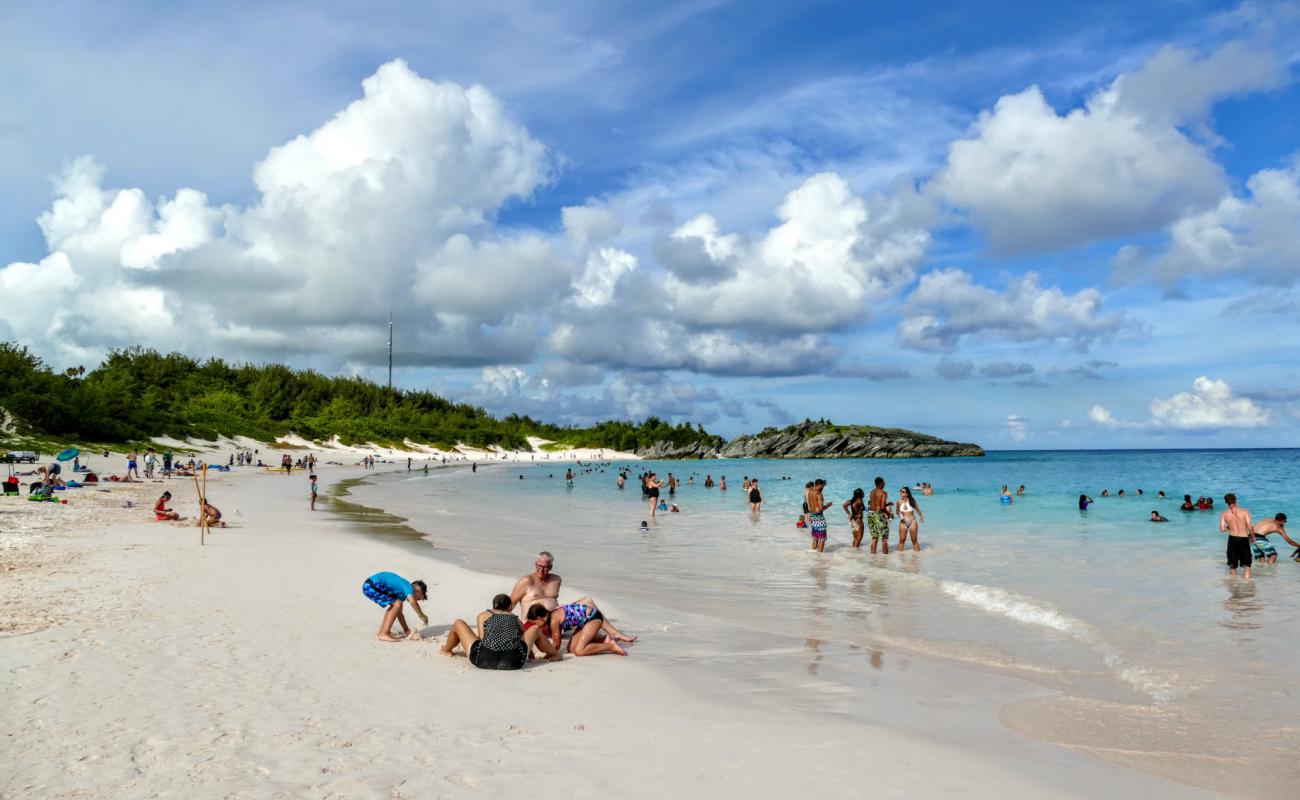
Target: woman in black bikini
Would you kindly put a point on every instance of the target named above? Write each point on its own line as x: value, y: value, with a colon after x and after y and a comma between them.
x: 501, y: 642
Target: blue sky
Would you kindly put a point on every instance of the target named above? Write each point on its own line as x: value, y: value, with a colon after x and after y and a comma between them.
x: 1065, y: 227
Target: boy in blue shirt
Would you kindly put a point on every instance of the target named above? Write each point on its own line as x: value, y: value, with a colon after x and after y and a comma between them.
x: 390, y: 592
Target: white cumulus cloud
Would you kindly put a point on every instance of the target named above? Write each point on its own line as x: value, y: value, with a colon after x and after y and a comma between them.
x: 1211, y: 404
x: 1256, y: 237
x: 387, y: 206
x: 947, y: 306
x: 1035, y: 179
x: 819, y: 269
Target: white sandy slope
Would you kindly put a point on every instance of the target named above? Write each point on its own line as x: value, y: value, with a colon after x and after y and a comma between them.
x: 248, y: 668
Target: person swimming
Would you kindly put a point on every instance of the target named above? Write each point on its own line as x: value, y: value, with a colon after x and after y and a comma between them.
x: 1085, y: 501
x: 1156, y: 517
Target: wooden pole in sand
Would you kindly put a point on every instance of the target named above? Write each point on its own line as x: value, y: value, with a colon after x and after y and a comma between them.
x: 205, y: 531
x: 203, y: 503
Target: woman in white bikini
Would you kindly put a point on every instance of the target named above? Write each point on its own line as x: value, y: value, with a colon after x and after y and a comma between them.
x: 909, y: 518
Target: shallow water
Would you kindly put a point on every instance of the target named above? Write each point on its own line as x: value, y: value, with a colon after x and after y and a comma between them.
x: 1155, y: 656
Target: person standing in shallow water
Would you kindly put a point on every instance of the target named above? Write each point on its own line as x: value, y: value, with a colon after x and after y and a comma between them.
x: 855, y: 507
x: 878, y: 516
x: 909, y: 519
x: 816, y: 502
x: 1235, y: 521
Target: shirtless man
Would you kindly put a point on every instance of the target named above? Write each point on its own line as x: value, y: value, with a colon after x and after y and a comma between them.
x: 817, y: 506
x: 1277, y: 525
x: 539, y: 586
x: 1235, y: 521
x: 878, y: 516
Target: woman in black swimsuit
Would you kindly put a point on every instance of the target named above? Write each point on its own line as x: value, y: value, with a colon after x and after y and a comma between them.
x: 755, y: 496
x: 501, y: 641
x: 652, y: 485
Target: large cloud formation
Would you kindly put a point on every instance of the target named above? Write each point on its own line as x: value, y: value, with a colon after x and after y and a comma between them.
x: 1123, y: 163
x: 384, y: 207
x: 1255, y: 237
x: 948, y: 306
x: 1211, y: 405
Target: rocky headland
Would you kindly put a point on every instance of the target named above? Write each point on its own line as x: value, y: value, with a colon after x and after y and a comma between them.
x: 821, y: 440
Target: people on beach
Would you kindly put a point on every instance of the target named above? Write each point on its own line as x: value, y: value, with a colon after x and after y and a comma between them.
x: 755, y: 496
x: 856, y: 508
x: 150, y: 461
x: 590, y: 633
x: 878, y: 515
x: 499, y: 640
x: 1156, y: 516
x: 1085, y: 501
x: 539, y: 586
x: 392, y: 592
x: 909, y: 519
x: 210, y: 515
x: 131, y: 468
x: 313, y: 492
x: 1235, y: 521
x: 160, y: 510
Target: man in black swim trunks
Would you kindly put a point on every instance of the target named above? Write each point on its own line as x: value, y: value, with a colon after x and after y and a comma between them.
x: 1235, y: 521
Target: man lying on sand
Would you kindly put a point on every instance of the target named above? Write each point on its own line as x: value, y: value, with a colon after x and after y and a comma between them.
x: 501, y: 642
x: 390, y: 592
x: 592, y: 634
x: 540, y: 586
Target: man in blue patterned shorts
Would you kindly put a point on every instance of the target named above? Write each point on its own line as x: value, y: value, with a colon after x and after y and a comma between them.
x: 390, y: 592
x: 816, y: 504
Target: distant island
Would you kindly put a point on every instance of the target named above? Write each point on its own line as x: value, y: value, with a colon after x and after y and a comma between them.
x: 138, y: 394
x: 822, y: 439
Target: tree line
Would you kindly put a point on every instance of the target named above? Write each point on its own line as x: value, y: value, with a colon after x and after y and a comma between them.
x: 137, y: 394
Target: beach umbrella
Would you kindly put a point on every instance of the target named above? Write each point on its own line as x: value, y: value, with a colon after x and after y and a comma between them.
x: 68, y: 455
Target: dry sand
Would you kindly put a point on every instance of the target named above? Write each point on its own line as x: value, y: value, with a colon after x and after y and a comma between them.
x: 138, y: 664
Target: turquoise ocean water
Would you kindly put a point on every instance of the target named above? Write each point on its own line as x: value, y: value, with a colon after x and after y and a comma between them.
x: 1133, y: 628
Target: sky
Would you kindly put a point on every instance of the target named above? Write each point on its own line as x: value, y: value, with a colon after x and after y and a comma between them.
x: 1027, y: 227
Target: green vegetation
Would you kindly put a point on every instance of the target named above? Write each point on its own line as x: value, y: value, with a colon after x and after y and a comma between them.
x: 138, y: 394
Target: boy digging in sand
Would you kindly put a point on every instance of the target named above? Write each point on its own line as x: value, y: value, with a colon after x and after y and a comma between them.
x: 390, y: 592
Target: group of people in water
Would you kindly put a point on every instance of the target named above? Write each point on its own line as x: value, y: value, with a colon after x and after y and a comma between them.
x: 499, y: 639
x: 1247, y: 540
x: 867, y: 513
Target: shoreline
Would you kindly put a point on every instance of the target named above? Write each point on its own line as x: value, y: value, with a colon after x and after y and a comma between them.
x: 1015, y: 692
x: 249, y: 667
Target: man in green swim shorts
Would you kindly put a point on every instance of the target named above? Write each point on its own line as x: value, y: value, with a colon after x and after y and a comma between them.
x: 878, y: 516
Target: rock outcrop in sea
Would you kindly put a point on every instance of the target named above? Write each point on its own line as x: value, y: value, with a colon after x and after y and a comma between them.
x: 821, y: 440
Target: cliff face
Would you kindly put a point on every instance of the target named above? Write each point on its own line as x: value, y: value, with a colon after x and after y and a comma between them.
x: 667, y: 450
x: 821, y: 440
